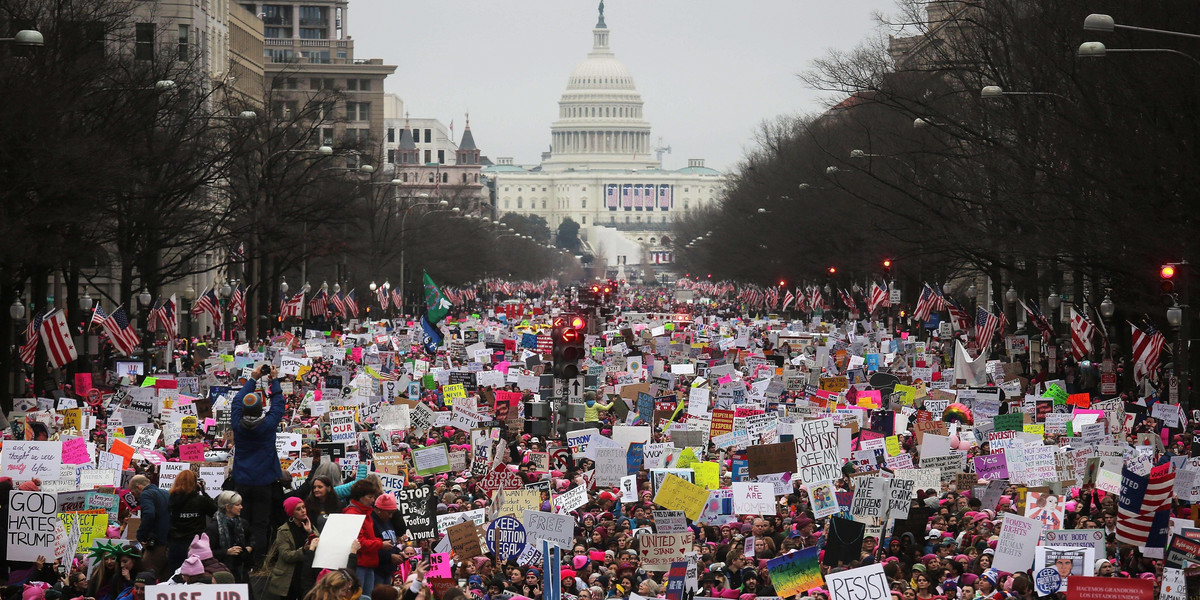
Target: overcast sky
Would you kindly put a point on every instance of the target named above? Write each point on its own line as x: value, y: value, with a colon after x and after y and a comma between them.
x: 709, y: 71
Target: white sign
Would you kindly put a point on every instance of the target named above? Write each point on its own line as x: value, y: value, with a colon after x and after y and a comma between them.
x: 340, y: 532
x: 28, y: 460
x: 554, y: 528
x: 817, y: 452
x: 1017, y: 535
x: 32, y: 521
x: 659, y: 550
x: 753, y: 498
x: 199, y: 591
x: 863, y: 583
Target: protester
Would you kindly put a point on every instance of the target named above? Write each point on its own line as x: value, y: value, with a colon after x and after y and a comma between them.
x: 227, y: 534
x: 256, y: 469
x: 190, y: 507
x: 153, y: 533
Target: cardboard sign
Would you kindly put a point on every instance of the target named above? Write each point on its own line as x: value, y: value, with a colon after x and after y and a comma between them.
x: 817, y: 456
x: 1107, y: 588
x: 796, y: 572
x: 24, y: 461
x: 464, y: 538
x: 417, y: 512
x: 678, y: 494
x: 659, y: 550
x: 506, y: 537
x: 771, y: 458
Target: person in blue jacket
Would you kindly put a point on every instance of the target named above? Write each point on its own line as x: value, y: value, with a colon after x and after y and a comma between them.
x: 256, y: 471
x: 156, y: 522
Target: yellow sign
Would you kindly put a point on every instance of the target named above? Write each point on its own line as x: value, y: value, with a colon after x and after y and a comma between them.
x: 676, y: 493
x: 73, y: 419
x: 519, y: 501
x: 708, y: 474
x: 1035, y: 428
x: 188, y: 425
x: 908, y: 394
x: 92, y: 525
x: 687, y: 458
x: 834, y: 384
x: 453, y: 392
x: 892, y: 444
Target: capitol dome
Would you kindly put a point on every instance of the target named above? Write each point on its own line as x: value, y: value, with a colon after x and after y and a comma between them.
x: 600, y: 122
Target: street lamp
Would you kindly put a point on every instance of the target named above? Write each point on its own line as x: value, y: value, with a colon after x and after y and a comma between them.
x: 189, y: 293
x: 1174, y: 316
x: 226, y: 289
x: 1054, y: 301
x: 1107, y: 308
x: 144, y: 297
x: 372, y: 287
x: 283, y: 286
x: 1099, y: 50
x: 27, y: 38
x: 337, y: 287
x: 85, y: 303
x: 17, y: 310
x: 1011, y: 295
x: 1106, y: 24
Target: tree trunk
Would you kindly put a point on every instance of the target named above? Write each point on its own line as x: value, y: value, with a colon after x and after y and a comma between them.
x: 40, y: 364
x: 8, y: 328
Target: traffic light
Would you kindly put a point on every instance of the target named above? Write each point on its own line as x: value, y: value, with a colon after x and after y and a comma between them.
x: 833, y: 270
x: 1166, y: 275
x: 887, y: 269
x: 567, y: 335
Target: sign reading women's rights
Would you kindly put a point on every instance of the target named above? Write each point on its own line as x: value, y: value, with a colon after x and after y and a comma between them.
x: 32, y: 518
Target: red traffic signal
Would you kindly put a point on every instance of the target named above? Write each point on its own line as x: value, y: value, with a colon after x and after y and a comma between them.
x: 570, y: 335
x: 577, y: 322
x: 558, y: 322
x: 832, y: 270
x: 1166, y: 274
x: 887, y: 263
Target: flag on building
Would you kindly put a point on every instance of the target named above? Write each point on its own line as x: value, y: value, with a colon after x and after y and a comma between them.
x: 208, y: 303
x: 925, y: 303
x: 1034, y: 313
x: 237, y: 304
x: 351, y: 305
x: 98, y: 316
x: 397, y: 299
x: 879, y: 296
x: 1147, y: 346
x: 986, y: 325
x: 319, y: 305
x: 338, y: 304
x: 29, y: 348
x: 293, y: 307
x: 1082, y: 331
x: 122, y: 335
x: 960, y: 316
x: 168, y: 318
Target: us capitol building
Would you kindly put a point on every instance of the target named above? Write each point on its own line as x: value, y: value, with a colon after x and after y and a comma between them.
x: 604, y: 172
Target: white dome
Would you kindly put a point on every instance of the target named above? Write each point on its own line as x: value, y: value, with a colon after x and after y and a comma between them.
x: 600, y: 72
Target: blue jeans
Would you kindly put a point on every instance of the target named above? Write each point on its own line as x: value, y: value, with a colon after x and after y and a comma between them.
x: 366, y: 576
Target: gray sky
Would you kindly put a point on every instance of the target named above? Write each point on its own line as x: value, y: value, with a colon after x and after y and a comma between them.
x: 709, y: 71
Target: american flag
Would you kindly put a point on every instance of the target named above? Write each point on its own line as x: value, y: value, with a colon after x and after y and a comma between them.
x: 98, y: 316
x: 1082, y: 331
x: 319, y: 305
x: 801, y: 301
x: 168, y: 318
x: 847, y: 299
x: 382, y: 295
x: 787, y: 299
x: 293, y: 307
x: 120, y: 333
x: 1147, y: 346
x: 815, y: 300
x: 397, y: 300
x: 208, y: 303
x: 1002, y: 326
x: 1034, y: 312
x: 925, y: 304
x: 962, y: 319
x: 879, y: 297
x: 29, y: 348
x: 351, y: 305
x: 1144, y: 507
x: 985, y: 327
x: 338, y: 304
x: 237, y: 304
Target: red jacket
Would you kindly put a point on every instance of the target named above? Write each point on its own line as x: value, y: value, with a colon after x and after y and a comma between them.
x: 369, y: 543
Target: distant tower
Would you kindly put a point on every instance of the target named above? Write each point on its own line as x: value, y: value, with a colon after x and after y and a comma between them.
x: 467, y: 153
x: 407, y: 153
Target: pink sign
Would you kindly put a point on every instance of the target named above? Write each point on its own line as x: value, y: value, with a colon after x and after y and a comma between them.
x: 74, y: 452
x: 192, y: 452
x: 83, y: 383
x: 439, y: 564
x: 356, y: 354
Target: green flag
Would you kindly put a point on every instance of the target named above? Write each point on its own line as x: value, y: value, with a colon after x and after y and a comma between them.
x: 436, y: 303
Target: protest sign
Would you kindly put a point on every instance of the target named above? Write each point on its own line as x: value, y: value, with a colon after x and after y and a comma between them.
x: 340, y: 532
x: 558, y: 529
x: 678, y: 494
x: 24, y: 461
x: 991, y: 466
x: 341, y: 426
x: 771, y: 458
x: 506, y: 537
x: 417, y: 512
x: 796, y: 572
x: 753, y: 498
x: 464, y: 538
x: 863, y: 583
x: 658, y: 550
x: 431, y: 460
x: 1017, y: 535
x: 199, y: 591
x: 670, y: 521
x: 817, y: 452
x: 32, y: 521
x: 870, y: 497
x: 1110, y: 588
x: 900, y: 492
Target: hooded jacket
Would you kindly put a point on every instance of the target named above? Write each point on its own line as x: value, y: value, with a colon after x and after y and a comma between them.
x: 255, y: 461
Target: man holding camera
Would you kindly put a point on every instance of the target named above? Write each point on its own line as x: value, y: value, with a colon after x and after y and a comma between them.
x: 256, y: 470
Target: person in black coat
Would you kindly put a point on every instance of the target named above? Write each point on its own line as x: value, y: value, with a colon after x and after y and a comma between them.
x: 229, y: 537
x: 190, y: 507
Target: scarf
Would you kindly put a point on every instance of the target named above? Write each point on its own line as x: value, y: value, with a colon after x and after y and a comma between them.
x: 224, y: 530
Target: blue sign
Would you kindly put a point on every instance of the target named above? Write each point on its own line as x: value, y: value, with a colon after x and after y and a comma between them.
x: 1047, y: 581
x: 934, y: 321
x: 506, y: 538
x: 634, y: 458
x: 645, y: 407
x: 740, y: 469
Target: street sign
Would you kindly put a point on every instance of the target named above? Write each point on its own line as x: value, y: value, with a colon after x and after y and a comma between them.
x: 894, y: 296
x: 574, y: 390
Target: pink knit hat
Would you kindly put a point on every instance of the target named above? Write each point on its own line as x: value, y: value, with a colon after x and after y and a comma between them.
x: 200, y: 548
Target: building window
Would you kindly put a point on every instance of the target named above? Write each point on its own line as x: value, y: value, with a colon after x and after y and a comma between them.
x: 144, y: 43
x: 326, y: 136
x: 358, y: 111
x: 276, y: 32
x: 364, y: 85
x: 584, y: 217
x: 520, y: 202
x: 184, y: 37
x: 612, y: 219
x: 441, y: 157
x: 285, y: 109
x: 391, y: 157
x: 583, y: 202
x: 391, y: 135
x: 685, y: 203
x: 626, y: 218
x: 506, y: 204
x: 543, y: 204
x: 428, y: 156
x: 352, y: 85
x: 428, y: 136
